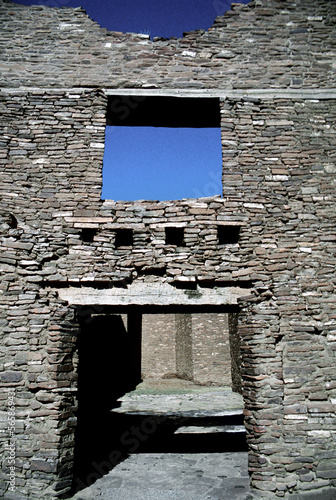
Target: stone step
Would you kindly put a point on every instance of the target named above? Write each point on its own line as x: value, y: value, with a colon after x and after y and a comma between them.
x: 194, y: 429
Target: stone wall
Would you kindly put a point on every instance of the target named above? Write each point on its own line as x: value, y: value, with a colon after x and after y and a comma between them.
x: 193, y: 346
x: 265, y: 44
x: 158, y: 346
x: 211, y: 349
x: 287, y: 327
x: 272, y: 66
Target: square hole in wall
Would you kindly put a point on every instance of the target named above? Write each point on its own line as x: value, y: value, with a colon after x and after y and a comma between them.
x: 228, y: 234
x: 88, y: 234
x: 175, y: 236
x: 124, y: 238
x: 162, y: 148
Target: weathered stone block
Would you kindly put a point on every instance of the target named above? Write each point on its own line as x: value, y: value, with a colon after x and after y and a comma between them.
x: 43, y: 465
x: 11, y: 376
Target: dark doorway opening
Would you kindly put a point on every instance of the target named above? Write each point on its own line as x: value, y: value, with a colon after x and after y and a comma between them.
x: 109, y: 367
x: 111, y: 423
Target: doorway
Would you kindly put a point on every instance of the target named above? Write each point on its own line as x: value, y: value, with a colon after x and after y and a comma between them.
x: 155, y: 379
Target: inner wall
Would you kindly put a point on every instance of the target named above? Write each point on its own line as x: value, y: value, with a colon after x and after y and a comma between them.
x: 200, y: 347
x: 192, y: 346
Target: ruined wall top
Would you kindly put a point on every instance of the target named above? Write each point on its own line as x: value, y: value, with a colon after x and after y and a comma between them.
x: 265, y: 44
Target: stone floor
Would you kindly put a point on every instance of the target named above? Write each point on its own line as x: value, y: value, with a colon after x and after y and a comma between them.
x: 199, y: 415
x: 185, y: 476
x: 180, y: 397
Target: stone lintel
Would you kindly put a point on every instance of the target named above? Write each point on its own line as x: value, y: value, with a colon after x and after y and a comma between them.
x: 267, y: 93
x: 152, y: 294
x: 197, y: 223
x: 80, y: 222
x: 270, y: 93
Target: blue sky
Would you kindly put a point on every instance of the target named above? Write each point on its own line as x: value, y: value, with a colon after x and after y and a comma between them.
x: 158, y: 18
x: 174, y: 163
x: 164, y: 163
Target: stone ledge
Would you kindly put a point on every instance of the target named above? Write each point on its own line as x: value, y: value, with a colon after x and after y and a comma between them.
x: 152, y: 294
x: 266, y: 93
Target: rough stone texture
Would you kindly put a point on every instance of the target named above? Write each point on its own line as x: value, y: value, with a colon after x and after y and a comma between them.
x: 211, y: 349
x: 270, y: 43
x: 278, y: 186
x: 181, y: 398
x: 193, y: 476
x: 158, y: 346
x: 190, y: 346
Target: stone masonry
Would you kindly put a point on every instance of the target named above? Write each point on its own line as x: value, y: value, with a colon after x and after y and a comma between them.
x: 193, y: 347
x: 271, y: 66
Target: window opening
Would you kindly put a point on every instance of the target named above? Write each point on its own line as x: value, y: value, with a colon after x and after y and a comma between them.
x: 162, y: 148
x: 124, y: 238
x: 175, y: 236
x: 88, y: 234
x: 228, y: 234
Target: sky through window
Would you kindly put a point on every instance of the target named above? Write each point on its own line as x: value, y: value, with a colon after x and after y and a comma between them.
x: 161, y: 163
